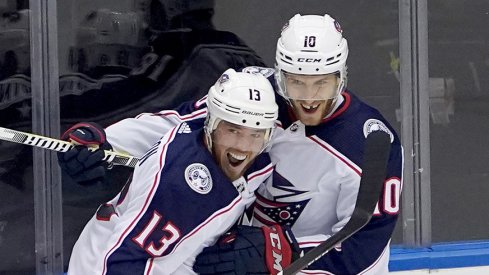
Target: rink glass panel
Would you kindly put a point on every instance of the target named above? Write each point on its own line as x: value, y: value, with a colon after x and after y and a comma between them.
x: 99, y: 42
x: 17, y: 242
x: 459, y: 115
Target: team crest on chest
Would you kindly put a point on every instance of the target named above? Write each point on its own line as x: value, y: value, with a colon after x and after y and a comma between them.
x: 373, y: 125
x: 198, y: 178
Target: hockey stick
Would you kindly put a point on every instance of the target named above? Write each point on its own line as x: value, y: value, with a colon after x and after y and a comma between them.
x: 60, y: 146
x: 376, y: 152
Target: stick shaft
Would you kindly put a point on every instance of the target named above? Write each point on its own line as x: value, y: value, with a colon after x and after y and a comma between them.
x: 60, y: 145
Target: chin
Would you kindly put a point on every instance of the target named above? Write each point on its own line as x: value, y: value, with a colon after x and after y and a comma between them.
x: 310, y: 121
x: 315, y: 123
x: 232, y: 176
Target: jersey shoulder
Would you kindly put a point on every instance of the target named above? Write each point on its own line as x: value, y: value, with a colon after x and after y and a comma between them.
x: 350, y: 125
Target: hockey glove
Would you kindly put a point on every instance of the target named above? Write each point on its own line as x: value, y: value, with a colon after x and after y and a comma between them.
x: 85, y: 166
x: 249, y: 250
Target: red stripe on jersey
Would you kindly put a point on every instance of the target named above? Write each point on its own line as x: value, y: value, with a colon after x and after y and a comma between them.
x: 200, y: 102
x: 330, y: 149
x: 268, y: 203
x: 184, y: 117
x: 150, y: 266
x: 268, y: 169
x: 263, y: 218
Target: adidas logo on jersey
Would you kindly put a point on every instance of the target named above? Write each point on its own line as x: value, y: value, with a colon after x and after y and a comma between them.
x: 184, y: 129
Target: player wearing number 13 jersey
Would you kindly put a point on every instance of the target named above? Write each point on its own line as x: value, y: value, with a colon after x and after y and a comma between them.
x: 317, y: 151
x: 188, y: 189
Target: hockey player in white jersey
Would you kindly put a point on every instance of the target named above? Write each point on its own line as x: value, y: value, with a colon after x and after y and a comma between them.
x: 188, y: 189
x: 317, y: 151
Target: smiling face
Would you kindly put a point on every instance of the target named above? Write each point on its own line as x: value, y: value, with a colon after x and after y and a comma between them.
x: 311, y: 96
x: 234, y: 147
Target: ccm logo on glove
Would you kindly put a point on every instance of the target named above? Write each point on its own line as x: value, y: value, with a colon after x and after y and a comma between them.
x: 278, y: 251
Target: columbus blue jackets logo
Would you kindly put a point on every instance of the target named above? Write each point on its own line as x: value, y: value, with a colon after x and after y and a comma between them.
x: 270, y: 212
x: 284, y: 27
x: 223, y: 79
x: 198, y: 178
x: 276, y: 210
x: 266, y: 72
x: 338, y: 26
x: 373, y: 125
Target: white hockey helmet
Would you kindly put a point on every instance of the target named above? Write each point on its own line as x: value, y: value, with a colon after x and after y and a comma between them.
x: 244, y: 99
x: 311, y: 45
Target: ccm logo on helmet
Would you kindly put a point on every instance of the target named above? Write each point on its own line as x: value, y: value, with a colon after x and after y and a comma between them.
x: 309, y: 60
x: 252, y: 113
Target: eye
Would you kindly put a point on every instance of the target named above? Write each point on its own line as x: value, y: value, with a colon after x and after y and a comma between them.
x: 258, y: 135
x: 233, y: 130
x: 294, y: 81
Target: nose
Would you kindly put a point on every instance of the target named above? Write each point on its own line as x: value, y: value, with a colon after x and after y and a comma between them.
x: 244, y: 143
x: 310, y: 92
x: 308, y: 101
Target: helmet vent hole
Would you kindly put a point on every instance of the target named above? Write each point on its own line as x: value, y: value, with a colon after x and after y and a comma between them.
x: 257, y: 123
x: 317, y: 69
x: 244, y: 120
x: 300, y: 69
x: 222, y: 90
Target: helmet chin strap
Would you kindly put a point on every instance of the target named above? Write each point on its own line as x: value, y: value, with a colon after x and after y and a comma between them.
x: 208, y: 140
x: 210, y: 126
x: 336, y: 101
x: 334, y: 105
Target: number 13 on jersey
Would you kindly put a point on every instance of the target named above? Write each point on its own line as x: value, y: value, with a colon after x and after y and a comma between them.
x: 172, y: 234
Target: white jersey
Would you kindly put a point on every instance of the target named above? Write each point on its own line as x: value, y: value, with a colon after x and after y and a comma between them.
x: 315, y: 182
x: 178, y: 202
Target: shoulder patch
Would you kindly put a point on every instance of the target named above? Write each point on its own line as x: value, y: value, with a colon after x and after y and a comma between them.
x: 198, y: 178
x: 266, y: 72
x: 373, y: 125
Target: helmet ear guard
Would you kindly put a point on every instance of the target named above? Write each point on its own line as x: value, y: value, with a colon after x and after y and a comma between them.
x: 243, y: 99
x: 311, y: 45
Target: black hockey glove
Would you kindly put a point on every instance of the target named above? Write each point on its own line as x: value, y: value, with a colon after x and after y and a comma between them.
x: 85, y: 166
x: 249, y: 250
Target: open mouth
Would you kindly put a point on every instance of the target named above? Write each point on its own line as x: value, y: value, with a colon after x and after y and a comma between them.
x: 236, y: 159
x: 310, y: 108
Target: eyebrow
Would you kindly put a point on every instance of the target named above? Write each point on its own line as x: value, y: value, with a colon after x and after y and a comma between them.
x: 230, y: 124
